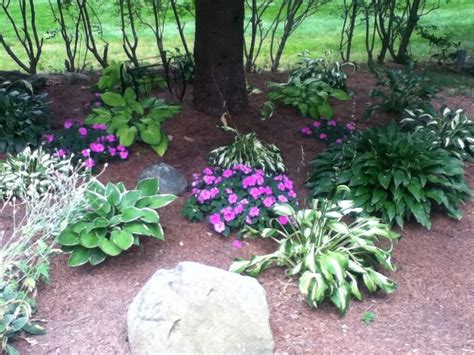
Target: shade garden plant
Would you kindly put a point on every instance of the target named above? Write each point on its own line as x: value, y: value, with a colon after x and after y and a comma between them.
x: 235, y: 198
x: 132, y: 120
x: 329, y: 131
x: 89, y: 144
x: 114, y: 219
x: 393, y: 174
x: 332, y: 257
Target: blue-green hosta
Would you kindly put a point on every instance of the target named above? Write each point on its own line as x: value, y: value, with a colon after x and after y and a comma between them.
x: 331, y: 258
x: 393, y: 174
x: 114, y: 221
x: 453, y: 130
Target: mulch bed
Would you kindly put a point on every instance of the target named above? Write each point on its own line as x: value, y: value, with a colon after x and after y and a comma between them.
x: 85, y: 308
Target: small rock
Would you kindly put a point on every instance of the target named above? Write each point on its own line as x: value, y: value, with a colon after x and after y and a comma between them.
x: 198, y: 309
x: 172, y: 181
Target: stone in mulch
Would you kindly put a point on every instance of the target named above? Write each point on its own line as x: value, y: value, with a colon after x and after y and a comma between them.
x: 172, y: 181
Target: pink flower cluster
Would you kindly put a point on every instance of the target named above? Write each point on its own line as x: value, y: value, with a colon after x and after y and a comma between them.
x: 91, y: 144
x: 329, y: 130
x: 238, y: 196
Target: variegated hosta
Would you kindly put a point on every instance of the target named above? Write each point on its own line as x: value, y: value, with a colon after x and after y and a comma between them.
x: 249, y: 150
x: 114, y: 220
x: 453, y: 130
x: 331, y: 258
x: 31, y: 173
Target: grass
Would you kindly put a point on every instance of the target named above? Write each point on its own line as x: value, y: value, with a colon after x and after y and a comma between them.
x: 319, y: 35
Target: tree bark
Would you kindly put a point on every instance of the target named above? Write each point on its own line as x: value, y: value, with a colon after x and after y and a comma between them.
x: 219, y: 84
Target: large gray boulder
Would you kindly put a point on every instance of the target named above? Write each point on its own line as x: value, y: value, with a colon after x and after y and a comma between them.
x: 172, y: 181
x: 198, y: 309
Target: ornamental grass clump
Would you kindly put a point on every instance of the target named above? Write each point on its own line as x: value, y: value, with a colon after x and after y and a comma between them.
x: 231, y: 199
x: 329, y: 131
x: 331, y: 257
x: 90, y: 144
x: 393, y: 174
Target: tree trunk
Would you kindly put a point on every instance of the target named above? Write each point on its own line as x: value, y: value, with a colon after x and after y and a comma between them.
x: 219, y: 84
x: 402, y: 56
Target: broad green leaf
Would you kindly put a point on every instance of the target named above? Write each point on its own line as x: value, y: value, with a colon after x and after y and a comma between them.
x: 131, y: 214
x: 96, y: 256
x: 340, y: 297
x: 79, y: 256
x: 89, y: 240
x: 151, y: 134
x: 113, y: 194
x: 68, y: 238
x: 161, y: 148
x: 108, y: 247
x: 113, y: 99
x: 122, y: 239
x: 127, y: 135
x: 159, y: 201
x: 148, y: 187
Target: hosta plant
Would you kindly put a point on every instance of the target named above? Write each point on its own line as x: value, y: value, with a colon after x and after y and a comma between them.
x: 329, y: 131
x: 131, y: 120
x: 31, y: 173
x: 310, y: 96
x: 114, y: 221
x: 320, y: 68
x: 90, y: 144
x: 401, y: 89
x: 249, y: 150
x: 237, y: 197
x: 331, y: 258
x: 453, y: 130
x: 393, y: 174
x: 24, y: 118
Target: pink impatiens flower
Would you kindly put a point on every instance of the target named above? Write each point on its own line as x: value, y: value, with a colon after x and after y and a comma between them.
x: 282, y: 199
x: 254, y: 212
x: 111, y: 138
x: 338, y: 141
x: 269, y: 202
x: 99, y: 127
x: 209, y: 179
x: 86, y: 153
x: 237, y: 244
x: 68, y: 124
x: 123, y: 154
x: 219, y: 227
x: 61, y: 153
x: 316, y: 124
x: 332, y: 123
x: 323, y: 136
x: 89, y: 163
x: 228, y: 173
x: 83, y: 131
x: 351, y: 126
x: 49, y: 138
x: 97, y: 147
x: 112, y: 151
x: 233, y: 198
x: 283, y: 220
x: 215, y: 218
x: 306, y: 131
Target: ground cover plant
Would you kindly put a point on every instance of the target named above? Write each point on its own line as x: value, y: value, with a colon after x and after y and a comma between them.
x: 249, y: 150
x: 26, y: 249
x: 24, y: 117
x: 132, y: 120
x: 113, y: 221
x: 88, y: 144
x: 393, y: 174
x: 329, y: 131
x: 453, y: 130
x: 31, y: 173
x: 331, y: 258
x: 233, y: 198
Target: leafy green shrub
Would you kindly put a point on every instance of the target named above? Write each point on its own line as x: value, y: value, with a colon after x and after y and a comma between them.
x: 236, y: 198
x: 393, y: 174
x: 249, y: 150
x: 329, y: 257
x: 24, y: 118
x: 401, y: 89
x: 114, y: 220
x: 453, y: 130
x: 310, y: 96
x: 319, y: 68
x: 131, y: 120
x: 31, y: 173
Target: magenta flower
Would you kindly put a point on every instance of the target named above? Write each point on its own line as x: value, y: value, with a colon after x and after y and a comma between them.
x: 306, y: 131
x: 249, y: 181
x: 86, y: 153
x: 83, y: 131
x: 214, y: 192
x: 281, y: 186
x: 111, y: 138
x: 49, y: 138
x: 316, y: 124
x: 244, y: 202
x: 219, y: 227
x: 215, y: 218
x: 208, y: 171
x: 229, y: 214
x: 98, y: 103
x: 89, y: 163
x: 351, y: 126
x: 283, y: 220
x: 269, y: 202
x: 233, y: 198
x: 292, y: 194
x: 123, y: 155
x: 97, y: 147
x: 338, y: 141
x: 112, y: 151
x: 323, y: 136
x: 237, y: 244
x: 332, y: 123
x: 209, y: 179
x: 228, y: 173
x: 255, y: 192
x: 61, y: 153
x: 239, y: 209
x: 68, y: 124
x: 254, y: 212
x: 282, y: 199
x: 97, y: 94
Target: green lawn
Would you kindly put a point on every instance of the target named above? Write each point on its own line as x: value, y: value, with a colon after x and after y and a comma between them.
x: 319, y: 35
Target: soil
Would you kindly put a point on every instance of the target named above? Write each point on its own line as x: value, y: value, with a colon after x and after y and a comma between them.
x: 431, y: 312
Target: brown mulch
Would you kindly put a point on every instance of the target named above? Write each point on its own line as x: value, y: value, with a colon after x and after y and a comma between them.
x: 432, y: 310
